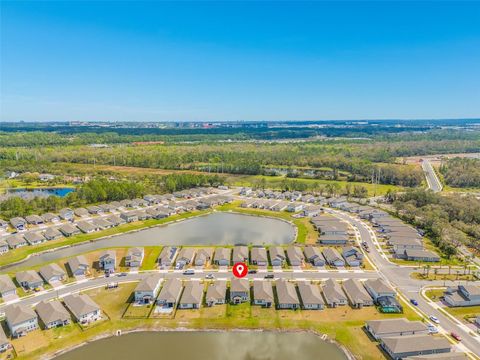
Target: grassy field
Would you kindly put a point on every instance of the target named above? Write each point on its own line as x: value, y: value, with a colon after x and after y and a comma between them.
x: 343, y: 324
x: 23, y: 252
x: 276, y: 182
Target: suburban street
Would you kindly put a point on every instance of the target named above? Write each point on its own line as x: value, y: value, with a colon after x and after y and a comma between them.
x: 433, y: 182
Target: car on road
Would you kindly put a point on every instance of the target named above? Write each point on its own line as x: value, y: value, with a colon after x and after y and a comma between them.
x: 209, y: 276
x: 252, y: 271
x: 189, y: 272
x: 455, y: 336
x: 414, y: 302
x: 122, y: 274
x: 434, y: 319
x: 269, y: 276
x: 432, y: 329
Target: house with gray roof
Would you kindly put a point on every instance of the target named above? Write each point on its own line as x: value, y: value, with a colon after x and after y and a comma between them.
x: 69, y: 230
x: 185, y: 257
x: 134, y: 257
x: 3, y: 224
x: 52, y: 234
x: 442, y: 356
x: 463, y: 295
x: 167, y: 256
x: 66, y: 214
x: 240, y: 254
x: 83, y: 308
x: 286, y: 295
x: 239, y: 291
x: 34, y: 238
x: 115, y: 220
x: 258, y: 256
x: 418, y: 255
x: 87, y: 227
x: 3, y: 247
x: 263, y: 293
x: 108, y: 260
x: 18, y: 223
x: 395, y: 327
x: 15, y: 241
x: 94, y: 210
x: 216, y: 293
x: 310, y: 296
x: 7, y: 287
x: 170, y: 293
x: 222, y: 256
x: 203, y: 257
x: 29, y: 279
x: 277, y: 255
x: 334, y: 296
x: 295, y: 255
x: 52, y: 273
x: 20, y: 320
x: 352, y: 255
x: 314, y: 256
x: 129, y: 216
x: 52, y: 314
x: 81, y: 212
x: 147, y: 289
x: 356, y: 294
x: 78, y: 265
x: 34, y: 219
x: 400, y: 347
x: 192, y: 296
x: 101, y: 223
x: 4, y: 343
x: 378, y: 288
x: 333, y: 258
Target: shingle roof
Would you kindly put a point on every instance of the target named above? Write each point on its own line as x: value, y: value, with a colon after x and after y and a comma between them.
x: 52, y: 311
x: 412, y: 343
x: 262, y: 290
x: 239, y: 285
x: 310, y: 293
x: 80, y: 304
x: 148, y: 284
x: 170, y: 290
x: 17, y: 314
x: 28, y: 276
x: 286, y: 292
x: 51, y: 270
x: 216, y: 291
x: 193, y: 293
x: 387, y: 326
x: 6, y: 284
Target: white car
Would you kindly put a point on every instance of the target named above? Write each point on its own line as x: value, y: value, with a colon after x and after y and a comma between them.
x: 434, y: 319
x: 209, y: 276
x: 432, y: 329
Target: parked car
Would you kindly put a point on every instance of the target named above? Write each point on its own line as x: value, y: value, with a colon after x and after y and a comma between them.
x: 455, y: 336
x: 432, y: 329
x: 252, y: 271
x: 414, y: 302
x: 209, y: 276
x: 434, y: 319
x: 269, y: 276
x: 122, y: 274
x: 189, y: 272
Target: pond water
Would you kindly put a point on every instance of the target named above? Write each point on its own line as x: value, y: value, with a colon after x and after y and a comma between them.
x: 40, y: 192
x: 209, y: 345
x: 217, y: 228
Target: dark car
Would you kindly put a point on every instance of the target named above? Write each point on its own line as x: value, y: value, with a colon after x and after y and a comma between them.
x: 455, y: 336
x: 269, y: 276
x: 414, y: 302
x: 252, y: 271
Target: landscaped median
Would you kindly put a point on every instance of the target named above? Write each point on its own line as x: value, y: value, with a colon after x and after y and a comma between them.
x: 342, y: 324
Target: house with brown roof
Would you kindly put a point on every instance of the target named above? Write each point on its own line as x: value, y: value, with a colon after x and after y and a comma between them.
x: 216, y: 293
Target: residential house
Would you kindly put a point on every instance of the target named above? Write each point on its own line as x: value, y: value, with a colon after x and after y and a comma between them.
x: 34, y: 238
x: 310, y: 295
x: 258, y: 256
x: 170, y: 293
x: 353, y: 256
x: 277, y: 255
x: 7, y: 287
x: 52, y: 273
x: 222, y: 256
x: 108, y: 260
x: 185, y: 257
x: 69, y: 230
x: 239, y: 291
x: 29, y: 279
x: 147, y: 289
x: 333, y: 258
x: 83, y: 308
x: 395, y: 327
x: 134, y: 257
x: 66, y: 214
x: 129, y: 216
x: 333, y: 239
x: 401, y: 347
x: 263, y: 293
x: 15, y: 241
x: 378, y: 288
x: 192, y: 296
x: 441, y: 356
x: 203, y: 257
x: 463, y: 295
x: 295, y: 255
x: 3, y: 225
x: 399, y: 245
x: 94, y: 210
x: 333, y: 294
x: 3, y: 247
x: 418, y: 255
x: 101, y: 224
x: 294, y: 207
x: 34, y: 219
x: 115, y: 220
x: 167, y: 256
x: 286, y: 295
x: 312, y: 210
x: 81, y: 212
x: 20, y: 320
x: 87, y: 227
x: 240, y: 254
x: 78, y: 265
x: 52, y: 314
x: 4, y: 343
x: 216, y: 293
x: 356, y: 294
x: 18, y: 223
x: 314, y: 256
x: 52, y: 234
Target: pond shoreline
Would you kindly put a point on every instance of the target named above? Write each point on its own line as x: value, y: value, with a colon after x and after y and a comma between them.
x: 321, y: 337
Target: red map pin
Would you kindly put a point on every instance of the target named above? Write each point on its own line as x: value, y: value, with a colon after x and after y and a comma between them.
x: 240, y: 270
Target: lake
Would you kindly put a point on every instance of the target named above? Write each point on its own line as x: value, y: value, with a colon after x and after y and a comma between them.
x: 218, y: 228
x: 209, y: 345
x: 40, y: 192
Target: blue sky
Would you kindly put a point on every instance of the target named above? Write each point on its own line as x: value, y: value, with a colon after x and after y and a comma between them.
x: 158, y: 61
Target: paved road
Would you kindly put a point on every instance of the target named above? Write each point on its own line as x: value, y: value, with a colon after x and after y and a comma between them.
x: 399, y: 277
x: 432, y: 179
